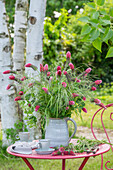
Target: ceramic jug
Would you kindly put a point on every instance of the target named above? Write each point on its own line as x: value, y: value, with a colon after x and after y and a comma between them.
x: 57, y: 132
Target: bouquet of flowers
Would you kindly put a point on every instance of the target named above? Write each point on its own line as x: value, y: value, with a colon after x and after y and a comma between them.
x: 55, y: 93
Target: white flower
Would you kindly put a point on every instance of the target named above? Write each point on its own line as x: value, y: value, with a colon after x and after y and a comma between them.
x: 57, y: 14
x: 69, y: 11
x: 76, y: 6
x: 81, y: 10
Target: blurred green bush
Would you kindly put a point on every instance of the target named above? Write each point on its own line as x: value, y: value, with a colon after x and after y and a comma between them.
x: 105, y: 93
x: 64, y: 35
x: 56, y: 5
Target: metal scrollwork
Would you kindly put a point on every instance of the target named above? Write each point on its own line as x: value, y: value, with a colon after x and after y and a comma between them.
x: 103, y: 109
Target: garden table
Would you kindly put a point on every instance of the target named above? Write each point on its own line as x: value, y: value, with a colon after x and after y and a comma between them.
x: 102, y: 149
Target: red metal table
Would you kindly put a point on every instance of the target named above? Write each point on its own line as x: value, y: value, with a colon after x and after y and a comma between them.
x: 102, y: 149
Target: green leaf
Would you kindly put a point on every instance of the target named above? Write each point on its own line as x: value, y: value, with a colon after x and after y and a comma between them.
x: 104, y: 22
x: 92, y: 5
x: 94, y: 22
x: 111, y: 11
x: 101, y: 29
x: 97, y: 44
x: 108, y: 34
x: 85, y: 38
x: 111, y: 39
x: 100, y: 2
x: 103, y: 11
x: 106, y: 17
x: 110, y: 53
x: 85, y: 29
x: 94, y: 34
x: 95, y: 15
x: 83, y: 19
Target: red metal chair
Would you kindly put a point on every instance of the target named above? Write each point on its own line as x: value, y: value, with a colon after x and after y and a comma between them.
x: 102, y: 111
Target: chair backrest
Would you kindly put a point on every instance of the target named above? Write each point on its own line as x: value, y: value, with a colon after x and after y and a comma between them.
x: 101, y: 111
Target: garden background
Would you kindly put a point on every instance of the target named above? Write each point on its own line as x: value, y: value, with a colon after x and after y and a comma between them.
x: 62, y: 33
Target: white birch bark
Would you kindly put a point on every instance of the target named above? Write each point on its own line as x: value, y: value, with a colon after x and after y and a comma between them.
x: 8, y: 106
x: 21, y: 7
x: 34, y: 45
x: 35, y: 33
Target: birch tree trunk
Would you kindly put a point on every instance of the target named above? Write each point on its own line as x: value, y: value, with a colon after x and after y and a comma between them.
x: 35, y: 33
x: 34, y: 45
x: 8, y: 106
x: 21, y: 8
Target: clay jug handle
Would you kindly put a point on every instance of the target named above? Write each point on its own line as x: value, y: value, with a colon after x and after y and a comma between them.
x: 75, y: 129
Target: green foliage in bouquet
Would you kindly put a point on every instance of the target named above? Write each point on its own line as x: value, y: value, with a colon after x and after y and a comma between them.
x: 56, y: 93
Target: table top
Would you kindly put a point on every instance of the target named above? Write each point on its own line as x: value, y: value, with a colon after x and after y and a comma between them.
x: 102, y: 149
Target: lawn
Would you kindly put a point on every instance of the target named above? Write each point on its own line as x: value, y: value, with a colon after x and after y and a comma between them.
x: 87, y: 117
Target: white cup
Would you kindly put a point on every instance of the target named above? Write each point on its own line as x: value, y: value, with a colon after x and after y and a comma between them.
x: 44, y: 144
x: 24, y: 136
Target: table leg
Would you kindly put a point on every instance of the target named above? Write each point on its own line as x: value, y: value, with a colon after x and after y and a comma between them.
x: 28, y: 163
x: 83, y: 163
x: 63, y: 164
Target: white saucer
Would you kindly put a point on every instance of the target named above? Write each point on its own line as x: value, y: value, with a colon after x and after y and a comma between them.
x: 44, y: 152
x: 21, y: 149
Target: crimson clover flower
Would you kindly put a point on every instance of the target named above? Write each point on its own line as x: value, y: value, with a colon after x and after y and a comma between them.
x: 8, y: 87
x: 71, y: 102
x: 78, y: 80
x: 84, y: 98
x: 21, y: 93
x: 29, y: 104
x: 98, y: 82
x: 97, y: 101
x: 45, y: 89
x: 88, y: 70
x: 48, y: 73
x: 62, y: 149
x: 7, y: 72
x: 65, y: 72
x: 84, y: 109
x: 64, y: 84
x: 71, y: 66
x: 28, y: 65
x: 68, y: 55
x: 41, y: 68
x: 59, y: 72
x: 93, y: 88
x: 58, y: 68
x: 37, y: 108
x: 71, y: 153
x: 17, y: 98
x: 85, y: 74
x: 31, y: 66
x: 23, y: 78
x: 46, y: 67
x: 11, y: 77
x: 75, y: 94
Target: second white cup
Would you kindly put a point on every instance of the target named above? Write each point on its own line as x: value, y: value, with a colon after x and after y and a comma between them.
x: 24, y: 136
x: 44, y: 144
